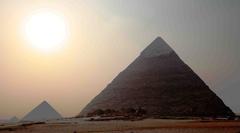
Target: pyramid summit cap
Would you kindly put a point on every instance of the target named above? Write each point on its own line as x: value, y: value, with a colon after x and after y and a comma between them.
x: 44, y: 102
x: 157, y: 47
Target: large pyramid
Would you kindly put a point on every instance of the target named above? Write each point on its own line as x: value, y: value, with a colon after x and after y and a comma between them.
x: 162, y: 84
x: 42, y: 112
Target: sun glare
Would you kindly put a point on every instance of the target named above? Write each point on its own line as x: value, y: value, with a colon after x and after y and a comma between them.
x: 46, y: 31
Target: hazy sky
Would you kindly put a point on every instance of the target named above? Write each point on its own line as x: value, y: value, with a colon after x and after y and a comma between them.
x: 107, y: 35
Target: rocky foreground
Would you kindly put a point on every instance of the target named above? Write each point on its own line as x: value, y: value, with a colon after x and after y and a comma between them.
x: 143, y: 126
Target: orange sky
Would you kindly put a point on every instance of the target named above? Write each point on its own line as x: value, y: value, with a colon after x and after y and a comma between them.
x: 67, y: 78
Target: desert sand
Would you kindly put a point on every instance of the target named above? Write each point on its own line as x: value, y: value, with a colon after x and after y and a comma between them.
x: 143, y: 126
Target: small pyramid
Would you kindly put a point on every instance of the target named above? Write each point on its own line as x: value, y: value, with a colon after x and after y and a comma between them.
x: 159, y: 82
x: 13, y: 119
x: 43, y: 111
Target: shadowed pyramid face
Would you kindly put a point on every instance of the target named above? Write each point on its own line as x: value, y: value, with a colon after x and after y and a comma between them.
x: 159, y: 82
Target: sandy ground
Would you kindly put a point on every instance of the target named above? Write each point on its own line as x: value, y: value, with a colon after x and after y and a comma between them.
x: 144, y: 126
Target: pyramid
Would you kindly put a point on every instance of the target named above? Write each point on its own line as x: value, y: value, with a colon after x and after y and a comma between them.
x: 42, y: 112
x: 162, y: 84
x: 13, y: 120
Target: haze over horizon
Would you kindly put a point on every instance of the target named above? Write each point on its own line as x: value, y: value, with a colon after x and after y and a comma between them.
x: 104, y: 37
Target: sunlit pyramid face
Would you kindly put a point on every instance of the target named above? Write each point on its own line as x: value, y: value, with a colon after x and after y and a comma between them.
x: 46, y: 31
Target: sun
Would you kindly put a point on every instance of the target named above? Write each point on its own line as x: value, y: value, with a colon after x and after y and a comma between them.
x: 46, y: 31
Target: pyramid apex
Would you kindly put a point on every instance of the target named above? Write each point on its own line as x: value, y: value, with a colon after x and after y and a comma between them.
x: 44, y: 101
x: 156, y: 48
x: 158, y: 37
